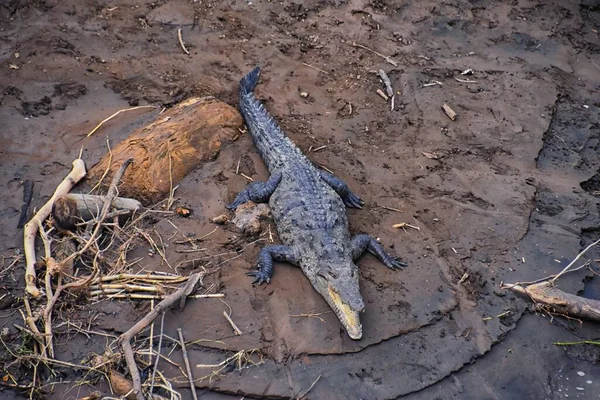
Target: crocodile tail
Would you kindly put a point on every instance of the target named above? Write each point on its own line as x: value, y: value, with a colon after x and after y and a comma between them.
x: 248, y: 82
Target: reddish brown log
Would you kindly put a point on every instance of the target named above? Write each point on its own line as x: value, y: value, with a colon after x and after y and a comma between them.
x: 180, y: 140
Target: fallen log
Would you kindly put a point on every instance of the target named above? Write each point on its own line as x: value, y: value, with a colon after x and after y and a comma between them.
x: 166, y: 150
x: 545, y: 293
x: 73, y: 208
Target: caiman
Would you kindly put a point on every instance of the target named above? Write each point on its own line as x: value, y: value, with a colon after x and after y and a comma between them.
x: 307, y: 205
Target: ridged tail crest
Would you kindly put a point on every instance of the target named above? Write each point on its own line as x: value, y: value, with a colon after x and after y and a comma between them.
x: 248, y: 82
x: 272, y: 144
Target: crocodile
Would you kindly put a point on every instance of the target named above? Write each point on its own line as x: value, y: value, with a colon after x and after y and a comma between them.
x: 308, y: 208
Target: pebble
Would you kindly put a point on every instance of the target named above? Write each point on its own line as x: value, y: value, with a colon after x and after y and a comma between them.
x: 589, y: 382
x: 579, y: 388
x: 304, y: 94
x: 580, y: 373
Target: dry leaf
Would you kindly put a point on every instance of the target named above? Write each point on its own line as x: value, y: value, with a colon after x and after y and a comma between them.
x: 431, y: 156
x: 183, y: 212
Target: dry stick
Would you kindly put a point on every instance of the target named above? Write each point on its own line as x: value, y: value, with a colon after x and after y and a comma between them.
x: 561, y: 302
x: 315, y: 68
x: 30, y: 321
x: 161, y: 307
x: 114, y: 115
x: 449, y: 111
x: 162, y: 322
x: 574, y: 260
x: 181, y: 42
x: 186, y: 360
x: 386, y: 58
x: 309, y: 389
x: 382, y: 95
x: 236, y: 330
x: 107, y: 170
x: 29, y: 232
x: 386, y: 82
x: 111, y: 195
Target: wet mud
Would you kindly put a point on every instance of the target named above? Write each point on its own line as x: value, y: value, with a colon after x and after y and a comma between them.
x: 512, y: 194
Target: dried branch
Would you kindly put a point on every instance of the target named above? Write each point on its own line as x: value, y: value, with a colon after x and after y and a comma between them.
x: 125, y: 339
x: 30, y: 230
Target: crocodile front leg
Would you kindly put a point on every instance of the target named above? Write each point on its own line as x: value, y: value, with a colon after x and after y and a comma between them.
x: 340, y: 187
x: 258, y: 192
x: 265, y: 261
x: 363, y: 242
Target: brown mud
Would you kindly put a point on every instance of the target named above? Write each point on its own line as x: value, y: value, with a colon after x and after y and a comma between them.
x: 513, y: 195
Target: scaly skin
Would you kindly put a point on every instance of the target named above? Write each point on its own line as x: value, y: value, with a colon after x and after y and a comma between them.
x: 308, y: 207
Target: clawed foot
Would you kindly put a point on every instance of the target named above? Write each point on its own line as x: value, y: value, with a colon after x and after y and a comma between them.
x: 395, y: 264
x: 353, y: 201
x: 260, y: 277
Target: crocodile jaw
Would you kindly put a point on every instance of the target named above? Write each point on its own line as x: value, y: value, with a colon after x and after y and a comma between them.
x: 348, y: 317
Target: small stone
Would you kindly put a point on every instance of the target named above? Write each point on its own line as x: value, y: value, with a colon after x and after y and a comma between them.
x: 219, y: 219
x: 580, y: 373
x: 579, y: 388
x: 248, y: 217
x: 588, y: 382
x: 17, y: 55
x: 304, y: 95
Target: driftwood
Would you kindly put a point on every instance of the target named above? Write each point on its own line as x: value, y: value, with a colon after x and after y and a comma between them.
x: 72, y: 208
x: 31, y: 228
x: 545, y: 293
x: 125, y: 339
x: 166, y: 150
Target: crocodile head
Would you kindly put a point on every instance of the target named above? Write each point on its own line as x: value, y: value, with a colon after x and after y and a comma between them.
x: 339, y: 287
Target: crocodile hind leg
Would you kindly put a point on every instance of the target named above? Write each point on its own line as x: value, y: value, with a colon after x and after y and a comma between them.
x: 340, y: 187
x: 258, y: 192
x: 265, y: 261
x: 363, y: 242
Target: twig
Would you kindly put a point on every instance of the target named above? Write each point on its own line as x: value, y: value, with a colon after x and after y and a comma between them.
x: 391, y: 208
x: 313, y: 67
x: 594, y: 342
x: 125, y: 339
x: 181, y: 42
x: 382, y: 95
x: 107, y: 170
x: 449, y: 111
x: 233, y: 325
x: 29, y: 232
x: 114, y: 115
x: 386, y: 81
x: 508, y: 286
x: 310, y: 315
x: 404, y: 224
x: 464, y: 80
x: 186, y: 360
x: 110, y: 197
x: 386, y: 58
x: 309, y: 389
x: 162, y: 323
x: 319, y: 148
x: 171, y: 198
x: 574, y: 260
x: 247, y: 177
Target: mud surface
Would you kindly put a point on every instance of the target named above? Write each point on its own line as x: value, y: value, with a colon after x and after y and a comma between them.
x: 511, y: 193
